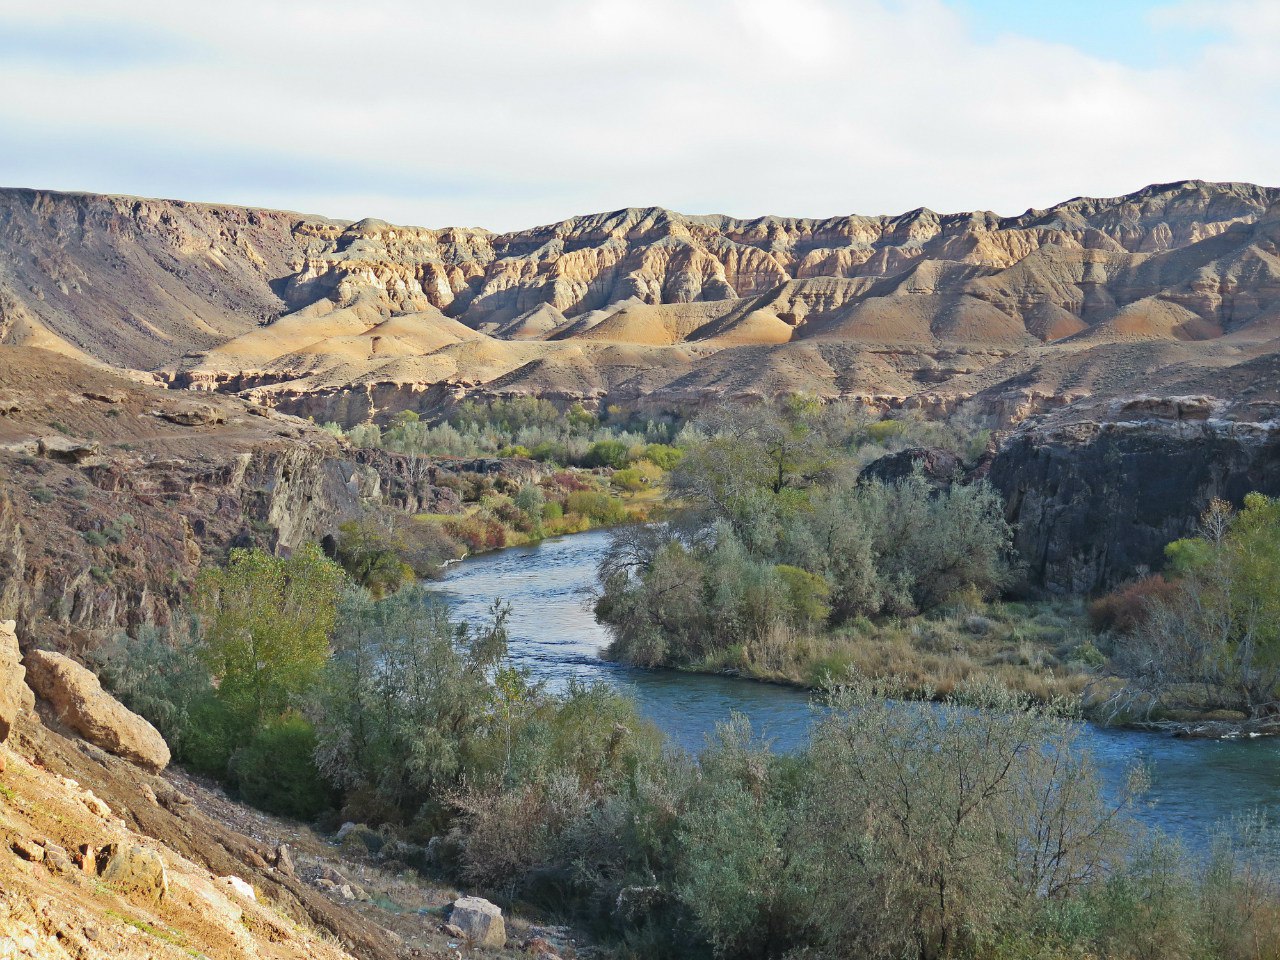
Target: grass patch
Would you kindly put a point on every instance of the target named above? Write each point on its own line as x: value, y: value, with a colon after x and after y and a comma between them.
x: 169, y: 936
x: 1044, y: 650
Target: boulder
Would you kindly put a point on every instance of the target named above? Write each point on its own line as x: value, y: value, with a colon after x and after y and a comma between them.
x: 15, y: 695
x: 199, y: 415
x: 939, y: 467
x: 67, y: 449
x: 79, y: 701
x: 241, y: 887
x: 132, y: 869
x: 480, y: 921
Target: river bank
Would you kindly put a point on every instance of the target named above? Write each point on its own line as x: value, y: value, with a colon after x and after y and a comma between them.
x: 1195, y: 783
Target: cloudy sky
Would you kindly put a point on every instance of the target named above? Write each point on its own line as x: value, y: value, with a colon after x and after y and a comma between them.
x: 509, y: 113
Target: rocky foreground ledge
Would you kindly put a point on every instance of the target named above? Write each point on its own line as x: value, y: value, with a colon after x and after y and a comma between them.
x: 106, y: 854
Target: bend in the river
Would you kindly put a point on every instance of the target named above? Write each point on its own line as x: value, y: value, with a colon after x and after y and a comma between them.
x: 554, y: 635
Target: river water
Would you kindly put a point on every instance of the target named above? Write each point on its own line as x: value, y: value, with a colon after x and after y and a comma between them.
x: 554, y: 635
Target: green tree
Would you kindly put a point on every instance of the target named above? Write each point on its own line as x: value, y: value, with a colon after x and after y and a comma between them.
x: 266, y: 623
x: 1219, y: 628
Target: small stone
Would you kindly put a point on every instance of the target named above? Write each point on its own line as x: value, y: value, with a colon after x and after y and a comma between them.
x: 541, y: 949
x: 327, y: 872
x: 148, y: 794
x: 343, y: 831
x: 284, y: 860
x: 85, y: 857
x: 27, y: 850
x: 96, y: 805
x: 346, y: 892
x: 326, y: 884
x: 452, y: 930
x: 241, y: 887
x: 56, y: 859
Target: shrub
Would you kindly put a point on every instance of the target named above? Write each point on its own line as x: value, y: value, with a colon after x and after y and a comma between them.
x: 607, y: 453
x: 406, y: 699
x: 599, y: 508
x: 371, y: 555
x: 1125, y: 608
x: 276, y: 771
x: 663, y: 456
x: 477, y: 533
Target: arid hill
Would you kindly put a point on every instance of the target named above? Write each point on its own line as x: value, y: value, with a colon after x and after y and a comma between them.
x: 647, y: 306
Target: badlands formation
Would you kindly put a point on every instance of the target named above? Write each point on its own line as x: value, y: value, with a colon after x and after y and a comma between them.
x: 155, y: 357
x: 1172, y: 287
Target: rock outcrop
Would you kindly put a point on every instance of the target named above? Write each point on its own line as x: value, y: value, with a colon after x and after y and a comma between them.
x: 1096, y: 492
x: 113, y: 541
x: 480, y: 921
x: 15, y: 695
x: 77, y: 699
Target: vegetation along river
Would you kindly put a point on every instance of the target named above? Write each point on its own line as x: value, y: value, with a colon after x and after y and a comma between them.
x: 554, y: 635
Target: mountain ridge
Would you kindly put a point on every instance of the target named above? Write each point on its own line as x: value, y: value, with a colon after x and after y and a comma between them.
x: 641, y: 305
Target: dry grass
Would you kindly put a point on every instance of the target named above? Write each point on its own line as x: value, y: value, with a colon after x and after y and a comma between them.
x: 1045, y: 650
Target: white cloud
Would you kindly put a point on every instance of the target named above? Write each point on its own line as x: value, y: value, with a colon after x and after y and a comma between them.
x: 509, y: 113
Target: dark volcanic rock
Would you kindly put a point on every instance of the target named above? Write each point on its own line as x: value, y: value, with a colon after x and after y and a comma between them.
x: 940, y: 467
x: 1095, y: 502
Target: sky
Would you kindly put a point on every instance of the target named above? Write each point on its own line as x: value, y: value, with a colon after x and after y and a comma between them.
x: 511, y: 113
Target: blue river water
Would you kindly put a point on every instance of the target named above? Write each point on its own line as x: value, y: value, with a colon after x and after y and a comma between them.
x: 554, y: 635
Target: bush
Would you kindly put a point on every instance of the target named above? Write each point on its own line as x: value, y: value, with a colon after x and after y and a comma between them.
x: 406, y: 699
x: 477, y: 533
x: 1124, y: 609
x: 642, y: 476
x: 600, y: 508
x: 276, y: 771
x: 607, y: 453
x: 664, y: 456
x: 371, y: 555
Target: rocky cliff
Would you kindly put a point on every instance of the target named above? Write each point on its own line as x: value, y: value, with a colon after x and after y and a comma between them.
x: 112, y: 492
x: 1097, y: 491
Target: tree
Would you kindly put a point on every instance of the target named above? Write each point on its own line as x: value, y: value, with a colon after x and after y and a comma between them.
x: 1219, y: 629
x: 371, y: 554
x: 408, y: 700
x: 925, y: 830
x: 266, y: 623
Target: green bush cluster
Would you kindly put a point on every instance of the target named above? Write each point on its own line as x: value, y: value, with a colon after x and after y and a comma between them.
x: 974, y: 828
x: 225, y: 686
x: 1207, y: 634
x: 528, y: 427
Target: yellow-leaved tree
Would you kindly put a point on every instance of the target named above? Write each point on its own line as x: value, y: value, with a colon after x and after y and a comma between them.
x: 267, y: 621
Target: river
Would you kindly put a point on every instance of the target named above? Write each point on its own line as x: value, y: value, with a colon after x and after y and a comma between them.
x: 554, y: 635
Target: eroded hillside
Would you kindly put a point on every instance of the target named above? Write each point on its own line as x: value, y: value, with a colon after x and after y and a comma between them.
x: 651, y: 307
